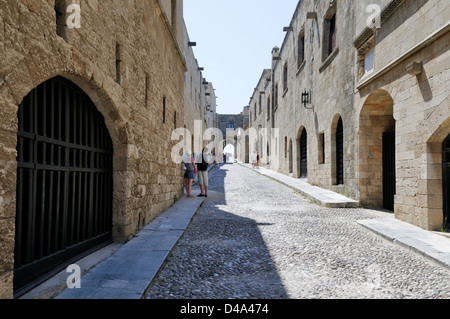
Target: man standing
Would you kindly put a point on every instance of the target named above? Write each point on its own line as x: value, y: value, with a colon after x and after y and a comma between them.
x: 203, y: 172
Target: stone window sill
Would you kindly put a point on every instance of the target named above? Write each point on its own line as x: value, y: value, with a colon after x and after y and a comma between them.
x: 301, y: 67
x: 328, y: 60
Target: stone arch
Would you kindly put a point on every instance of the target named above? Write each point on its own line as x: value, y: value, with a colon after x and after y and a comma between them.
x: 435, y: 174
x: 102, y: 90
x: 64, y: 128
x: 336, y: 124
x: 302, y: 153
x: 35, y: 68
x: 376, y: 120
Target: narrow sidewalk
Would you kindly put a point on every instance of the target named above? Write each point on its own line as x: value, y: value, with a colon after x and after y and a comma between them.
x: 129, y: 272
x: 323, y: 197
x: 432, y: 245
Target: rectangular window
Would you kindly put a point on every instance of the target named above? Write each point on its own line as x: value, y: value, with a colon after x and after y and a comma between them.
x: 260, y: 102
x: 164, y: 110
x: 366, y: 57
x: 301, y: 49
x: 174, y: 16
x: 275, y: 97
x: 285, y: 77
x: 322, y: 148
x: 118, y: 63
x: 175, y: 120
x: 329, y: 37
x: 332, y: 34
x: 369, y: 61
x: 285, y: 147
x: 60, y: 11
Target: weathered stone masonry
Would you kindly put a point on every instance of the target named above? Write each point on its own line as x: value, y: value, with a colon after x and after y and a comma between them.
x: 127, y: 57
x: 385, y: 91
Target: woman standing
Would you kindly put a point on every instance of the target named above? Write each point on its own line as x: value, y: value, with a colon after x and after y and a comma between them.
x: 190, y: 173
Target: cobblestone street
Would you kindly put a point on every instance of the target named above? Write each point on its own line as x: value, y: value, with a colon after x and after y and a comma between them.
x: 255, y: 238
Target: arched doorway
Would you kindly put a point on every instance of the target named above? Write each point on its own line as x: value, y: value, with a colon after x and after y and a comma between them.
x: 64, y: 181
x: 303, y: 147
x: 340, y: 153
x: 446, y: 179
x: 377, y: 151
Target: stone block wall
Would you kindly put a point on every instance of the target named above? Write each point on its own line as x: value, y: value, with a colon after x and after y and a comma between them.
x: 392, y: 95
x: 129, y: 93
x: 421, y: 108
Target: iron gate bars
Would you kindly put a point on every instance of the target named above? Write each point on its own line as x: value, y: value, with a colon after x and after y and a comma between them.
x: 64, y: 180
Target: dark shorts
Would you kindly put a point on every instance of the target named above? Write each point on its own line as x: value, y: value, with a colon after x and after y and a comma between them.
x: 189, y: 174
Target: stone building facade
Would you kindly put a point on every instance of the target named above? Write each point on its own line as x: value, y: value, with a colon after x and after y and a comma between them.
x: 194, y: 95
x: 87, y: 117
x: 211, y: 106
x: 359, y: 95
x: 199, y: 100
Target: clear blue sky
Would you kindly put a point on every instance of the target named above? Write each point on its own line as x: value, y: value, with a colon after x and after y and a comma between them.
x: 234, y: 43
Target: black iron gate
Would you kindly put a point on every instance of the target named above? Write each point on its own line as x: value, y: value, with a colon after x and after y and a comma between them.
x: 64, y: 180
x: 304, y: 154
x: 388, y: 170
x: 340, y: 153
x: 446, y: 179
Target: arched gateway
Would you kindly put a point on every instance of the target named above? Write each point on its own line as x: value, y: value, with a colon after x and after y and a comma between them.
x: 64, y: 180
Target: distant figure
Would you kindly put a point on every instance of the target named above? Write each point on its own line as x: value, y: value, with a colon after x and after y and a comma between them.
x: 203, y: 172
x: 257, y: 160
x: 254, y: 159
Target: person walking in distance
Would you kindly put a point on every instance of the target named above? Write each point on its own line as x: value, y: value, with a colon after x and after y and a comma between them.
x: 257, y: 159
x: 203, y: 172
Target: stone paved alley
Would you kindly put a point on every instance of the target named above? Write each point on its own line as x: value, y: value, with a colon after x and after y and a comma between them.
x: 255, y: 238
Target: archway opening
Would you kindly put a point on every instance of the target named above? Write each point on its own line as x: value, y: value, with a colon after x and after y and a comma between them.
x: 64, y: 181
x: 340, y: 152
x: 302, y: 147
x: 377, y: 151
x: 228, y: 153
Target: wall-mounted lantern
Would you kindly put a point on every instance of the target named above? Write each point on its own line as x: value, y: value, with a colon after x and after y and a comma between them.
x: 306, y: 100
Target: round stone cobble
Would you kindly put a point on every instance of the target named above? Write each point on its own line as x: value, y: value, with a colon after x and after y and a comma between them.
x: 262, y: 240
